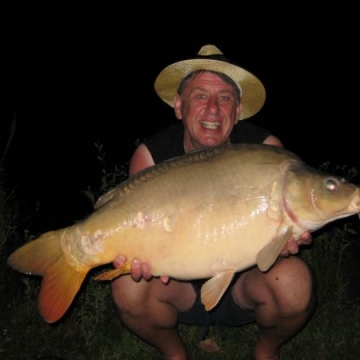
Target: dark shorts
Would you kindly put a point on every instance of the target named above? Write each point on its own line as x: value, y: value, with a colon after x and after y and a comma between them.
x: 226, y: 311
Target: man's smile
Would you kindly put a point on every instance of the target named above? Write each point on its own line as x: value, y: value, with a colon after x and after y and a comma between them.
x: 210, y: 124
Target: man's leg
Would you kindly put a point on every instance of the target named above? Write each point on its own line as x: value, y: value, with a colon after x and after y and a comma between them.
x: 150, y: 310
x: 282, y: 300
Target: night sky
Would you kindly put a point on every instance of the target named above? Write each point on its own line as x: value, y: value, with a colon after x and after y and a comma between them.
x: 76, y: 76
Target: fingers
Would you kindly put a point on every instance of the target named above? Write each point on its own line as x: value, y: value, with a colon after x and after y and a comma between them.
x: 292, y: 246
x: 119, y: 261
x: 164, y: 279
x: 145, y: 270
x: 305, y: 239
x: 139, y: 270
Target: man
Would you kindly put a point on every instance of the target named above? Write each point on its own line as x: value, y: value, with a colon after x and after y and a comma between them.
x: 210, y: 97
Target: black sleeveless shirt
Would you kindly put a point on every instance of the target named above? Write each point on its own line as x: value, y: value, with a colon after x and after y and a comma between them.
x: 169, y: 141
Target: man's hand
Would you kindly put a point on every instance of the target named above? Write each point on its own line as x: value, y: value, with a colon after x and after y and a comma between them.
x: 292, y: 246
x: 139, y: 270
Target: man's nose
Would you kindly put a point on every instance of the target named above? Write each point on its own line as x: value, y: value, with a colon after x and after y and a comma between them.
x: 213, y: 105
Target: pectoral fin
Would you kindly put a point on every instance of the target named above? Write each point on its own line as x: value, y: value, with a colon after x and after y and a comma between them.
x: 269, y: 253
x: 214, y: 288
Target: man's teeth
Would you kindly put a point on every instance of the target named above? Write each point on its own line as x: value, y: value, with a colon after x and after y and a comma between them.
x: 210, y: 124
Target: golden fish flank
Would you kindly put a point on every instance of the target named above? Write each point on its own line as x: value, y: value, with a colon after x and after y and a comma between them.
x: 168, y: 224
x: 208, y: 208
x: 140, y: 220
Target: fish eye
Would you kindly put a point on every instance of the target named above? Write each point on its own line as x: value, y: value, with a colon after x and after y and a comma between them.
x: 331, y: 184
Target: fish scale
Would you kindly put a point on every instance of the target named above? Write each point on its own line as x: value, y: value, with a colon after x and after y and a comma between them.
x: 207, y: 214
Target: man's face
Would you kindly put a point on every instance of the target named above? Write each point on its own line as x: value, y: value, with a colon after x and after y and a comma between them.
x: 209, y: 109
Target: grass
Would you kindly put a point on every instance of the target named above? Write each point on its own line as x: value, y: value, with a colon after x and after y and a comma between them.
x: 91, y: 329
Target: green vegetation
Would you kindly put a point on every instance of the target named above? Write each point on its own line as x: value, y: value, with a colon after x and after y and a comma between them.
x: 91, y: 329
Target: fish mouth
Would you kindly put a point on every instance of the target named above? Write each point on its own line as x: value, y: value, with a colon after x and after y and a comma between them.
x: 210, y: 124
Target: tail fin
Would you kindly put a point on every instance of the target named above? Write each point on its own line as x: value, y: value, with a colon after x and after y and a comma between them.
x: 61, y: 282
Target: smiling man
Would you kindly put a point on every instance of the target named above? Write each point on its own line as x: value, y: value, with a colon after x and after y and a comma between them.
x: 210, y: 97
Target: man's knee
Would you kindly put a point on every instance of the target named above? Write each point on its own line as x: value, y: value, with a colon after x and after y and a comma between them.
x: 292, y: 285
x: 151, y: 299
x: 287, y: 288
x: 128, y: 295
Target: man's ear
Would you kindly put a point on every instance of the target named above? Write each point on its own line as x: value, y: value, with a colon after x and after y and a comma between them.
x: 238, y: 112
x: 177, y: 106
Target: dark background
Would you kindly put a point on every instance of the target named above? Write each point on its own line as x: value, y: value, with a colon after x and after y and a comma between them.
x: 76, y: 75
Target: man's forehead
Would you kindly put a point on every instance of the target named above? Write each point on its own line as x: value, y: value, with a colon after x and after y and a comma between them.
x: 205, y: 74
x: 208, y: 78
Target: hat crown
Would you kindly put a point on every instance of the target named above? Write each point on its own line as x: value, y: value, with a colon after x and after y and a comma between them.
x: 208, y: 50
x: 210, y: 58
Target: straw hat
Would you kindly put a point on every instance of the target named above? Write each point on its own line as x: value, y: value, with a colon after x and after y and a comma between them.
x: 211, y: 58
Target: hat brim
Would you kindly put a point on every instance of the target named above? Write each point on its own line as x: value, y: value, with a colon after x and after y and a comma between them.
x: 253, y: 91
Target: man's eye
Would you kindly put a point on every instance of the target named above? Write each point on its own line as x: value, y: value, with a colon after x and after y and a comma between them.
x: 224, y: 98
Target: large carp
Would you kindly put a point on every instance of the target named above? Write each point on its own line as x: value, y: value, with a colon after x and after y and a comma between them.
x: 207, y: 214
